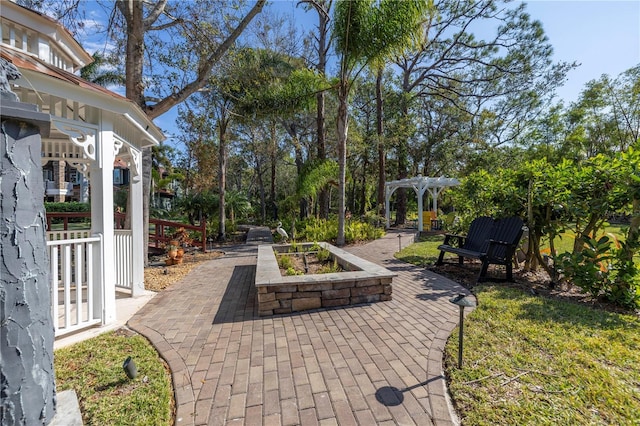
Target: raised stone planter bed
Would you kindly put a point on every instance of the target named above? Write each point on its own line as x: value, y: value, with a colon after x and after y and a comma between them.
x: 362, y: 282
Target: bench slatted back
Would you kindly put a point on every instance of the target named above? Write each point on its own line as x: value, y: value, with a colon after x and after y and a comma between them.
x: 479, y: 234
x: 508, y: 230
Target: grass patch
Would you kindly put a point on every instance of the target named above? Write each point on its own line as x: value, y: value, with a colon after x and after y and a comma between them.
x: 534, y: 360
x: 93, y: 368
x: 423, y: 253
x: 564, y: 242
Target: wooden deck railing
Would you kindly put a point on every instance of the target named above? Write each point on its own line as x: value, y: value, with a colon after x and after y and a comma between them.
x: 160, y: 231
x: 64, y: 217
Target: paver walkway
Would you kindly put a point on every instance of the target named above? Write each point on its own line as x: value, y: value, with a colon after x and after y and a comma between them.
x: 379, y: 363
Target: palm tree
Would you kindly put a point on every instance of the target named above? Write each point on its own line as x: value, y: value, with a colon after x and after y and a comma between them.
x: 238, y: 203
x: 367, y: 32
x: 98, y: 72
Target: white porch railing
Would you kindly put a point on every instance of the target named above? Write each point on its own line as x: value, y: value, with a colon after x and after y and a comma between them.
x: 123, y: 258
x: 76, y: 286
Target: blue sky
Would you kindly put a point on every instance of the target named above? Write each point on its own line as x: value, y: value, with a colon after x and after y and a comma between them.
x: 602, y: 36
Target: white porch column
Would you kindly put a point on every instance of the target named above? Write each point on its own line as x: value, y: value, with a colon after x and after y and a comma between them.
x: 137, y: 224
x: 102, y: 214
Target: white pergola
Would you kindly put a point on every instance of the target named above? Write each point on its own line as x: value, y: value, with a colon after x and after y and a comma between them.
x: 420, y: 184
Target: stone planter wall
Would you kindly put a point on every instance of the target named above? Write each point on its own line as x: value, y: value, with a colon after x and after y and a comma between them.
x: 364, y: 282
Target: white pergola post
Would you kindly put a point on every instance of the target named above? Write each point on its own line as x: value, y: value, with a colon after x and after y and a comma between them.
x: 102, y: 214
x: 387, y: 197
x: 435, y: 192
x: 419, y: 191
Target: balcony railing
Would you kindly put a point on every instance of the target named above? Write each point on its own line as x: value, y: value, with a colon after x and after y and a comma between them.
x: 52, y: 188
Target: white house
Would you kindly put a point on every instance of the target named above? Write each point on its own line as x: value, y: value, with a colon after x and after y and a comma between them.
x: 92, y: 128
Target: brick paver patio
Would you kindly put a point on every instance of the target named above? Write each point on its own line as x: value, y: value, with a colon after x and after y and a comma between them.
x: 359, y: 365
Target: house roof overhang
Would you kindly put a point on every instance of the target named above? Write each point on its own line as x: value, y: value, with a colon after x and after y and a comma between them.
x: 42, y: 77
x: 49, y: 27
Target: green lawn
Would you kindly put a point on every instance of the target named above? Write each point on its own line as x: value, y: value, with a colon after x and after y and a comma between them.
x: 532, y: 361
x: 565, y: 241
x: 93, y: 368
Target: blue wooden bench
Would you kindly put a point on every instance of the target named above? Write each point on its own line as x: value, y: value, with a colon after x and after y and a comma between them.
x: 492, y: 241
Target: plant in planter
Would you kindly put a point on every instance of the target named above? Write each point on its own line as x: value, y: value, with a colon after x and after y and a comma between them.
x: 182, y: 238
x: 172, y: 254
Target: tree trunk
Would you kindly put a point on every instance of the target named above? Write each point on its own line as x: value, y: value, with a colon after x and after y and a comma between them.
x: 343, y: 128
x: 323, y: 196
x: 137, y: 25
x: 222, y: 180
x: 323, y: 23
x: 133, y: 13
x: 292, y: 131
x: 401, y: 193
x: 272, y: 189
x: 363, y: 188
x: 263, y: 201
x: 382, y: 157
x: 26, y: 327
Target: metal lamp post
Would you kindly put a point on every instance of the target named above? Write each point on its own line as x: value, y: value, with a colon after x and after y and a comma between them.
x: 462, y: 301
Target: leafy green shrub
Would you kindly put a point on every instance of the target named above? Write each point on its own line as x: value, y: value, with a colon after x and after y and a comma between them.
x: 70, y: 207
x: 602, y: 270
x: 361, y: 231
x: 373, y: 218
x: 323, y: 254
x: 327, y: 230
x: 294, y: 247
x: 329, y: 268
x: 293, y: 271
x: 314, y: 247
x: 284, y: 261
x: 320, y: 230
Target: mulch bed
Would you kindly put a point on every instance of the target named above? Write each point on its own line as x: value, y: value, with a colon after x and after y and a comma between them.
x: 534, y: 283
x: 158, y: 276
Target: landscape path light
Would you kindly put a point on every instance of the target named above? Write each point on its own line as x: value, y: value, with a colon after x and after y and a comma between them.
x: 462, y: 301
x: 129, y: 368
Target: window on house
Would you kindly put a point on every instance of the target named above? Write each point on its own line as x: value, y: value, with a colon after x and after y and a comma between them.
x: 118, y: 176
x: 47, y: 174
